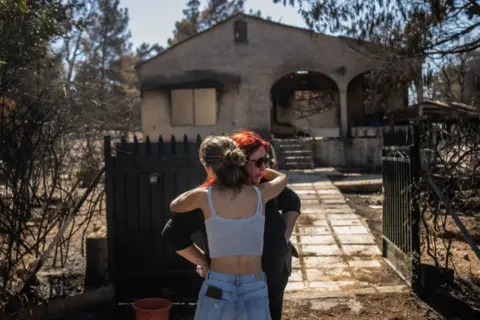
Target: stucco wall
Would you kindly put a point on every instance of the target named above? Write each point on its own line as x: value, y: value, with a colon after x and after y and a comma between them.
x: 272, y: 51
x: 348, y: 152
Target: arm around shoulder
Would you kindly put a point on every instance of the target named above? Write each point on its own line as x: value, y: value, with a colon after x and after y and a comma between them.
x: 278, y: 182
x: 187, y: 201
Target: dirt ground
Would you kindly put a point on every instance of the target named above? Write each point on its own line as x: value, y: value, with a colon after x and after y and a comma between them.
x: 378, y: 306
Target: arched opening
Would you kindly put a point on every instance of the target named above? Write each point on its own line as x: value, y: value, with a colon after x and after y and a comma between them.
x: 367, y: 101
x: 305, y: 103
x: 362, y: 108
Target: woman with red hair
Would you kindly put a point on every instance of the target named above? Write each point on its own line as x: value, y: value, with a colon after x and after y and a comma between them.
x: 280, y: 216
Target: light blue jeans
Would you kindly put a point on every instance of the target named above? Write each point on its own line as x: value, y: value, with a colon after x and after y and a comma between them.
x: 242, y: 298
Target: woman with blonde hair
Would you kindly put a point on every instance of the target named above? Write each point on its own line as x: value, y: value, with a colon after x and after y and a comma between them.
x: 235, y: 286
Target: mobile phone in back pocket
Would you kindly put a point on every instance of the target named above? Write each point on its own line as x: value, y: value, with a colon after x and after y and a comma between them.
x: 214, y: 292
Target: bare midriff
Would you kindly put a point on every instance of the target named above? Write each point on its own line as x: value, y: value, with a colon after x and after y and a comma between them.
x: 237, y: 265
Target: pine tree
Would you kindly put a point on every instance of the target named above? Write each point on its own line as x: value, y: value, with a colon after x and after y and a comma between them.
x: 196, y: 20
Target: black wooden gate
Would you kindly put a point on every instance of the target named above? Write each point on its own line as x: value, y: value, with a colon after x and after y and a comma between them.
x: 401, y: 169
x: 141, y: 180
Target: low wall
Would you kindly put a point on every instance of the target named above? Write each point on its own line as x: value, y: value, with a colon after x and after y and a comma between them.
x: 348, y: 152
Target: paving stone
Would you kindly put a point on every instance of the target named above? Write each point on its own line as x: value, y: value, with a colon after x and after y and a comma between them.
x: 318, y: 239
x: 301, y: 186
x: 329, y: 191
x: 303, y: 230
x: 337, y: 206
x: 333, y: 201
x: 293, y: 286
x: 337, y: 273
x: 332, y: 210
x: 356, y: 238
x: 364, y: 264
x: 306, y: 191
x: 296, y: 263
x: 296, y: 276
x: 308, y: 197
x: 314, y: 222
x: 346, y: 216
x: 362, y: 250
x: 325, y: 184
x: 350, y: 230
x: 331, y: 196
x: 322, y: 250
x: 324, y: 285
x: 329, y: 274
x: 310, y: 203
x: 312, y: 209
x: 324, y: 262
x: 344, y: 222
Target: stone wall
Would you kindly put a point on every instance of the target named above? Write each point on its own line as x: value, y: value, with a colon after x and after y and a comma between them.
x: 362, y: 149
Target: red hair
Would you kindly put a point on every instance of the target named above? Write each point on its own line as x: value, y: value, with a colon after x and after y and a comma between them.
x: 249, y: 142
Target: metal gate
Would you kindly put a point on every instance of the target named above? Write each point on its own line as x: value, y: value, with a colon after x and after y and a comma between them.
x: 401, y: 168
x: 141, y: 181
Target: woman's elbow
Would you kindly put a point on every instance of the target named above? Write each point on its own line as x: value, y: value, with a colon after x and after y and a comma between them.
x: 173, y: 207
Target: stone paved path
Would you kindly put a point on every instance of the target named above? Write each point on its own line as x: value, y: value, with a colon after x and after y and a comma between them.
x: 338, y: 255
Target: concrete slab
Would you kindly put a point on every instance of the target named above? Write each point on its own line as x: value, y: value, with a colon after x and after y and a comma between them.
x: 338, y: 201
x: 364, y: 264
x: 339, y: 216
x: 303, y: 230
x: 296, y: 276
x: 331, y: 191
x: 356, y: 238
x: 308, y: 197
x: 350, y: 230
x: 361, y: 250
x: 325, y: 262
x: 343, y: 222
x: 318, y: 239
x: 294, y: 286
x: 321, y: 250
x: 311, y: 221
x: 312, y: 203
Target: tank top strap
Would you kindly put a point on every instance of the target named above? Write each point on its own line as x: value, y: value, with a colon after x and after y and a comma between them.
x: 259, y: 201
x: 210, y: 201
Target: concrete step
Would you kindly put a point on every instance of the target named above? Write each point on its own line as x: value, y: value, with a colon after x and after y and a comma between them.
x: 297, y: 152
x: 298, y: 158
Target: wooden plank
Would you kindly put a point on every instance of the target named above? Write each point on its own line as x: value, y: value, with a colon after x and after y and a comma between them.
x: 132, y: 249
x: 120, y: 218
x: 157, y: 196
x: 146, y: 227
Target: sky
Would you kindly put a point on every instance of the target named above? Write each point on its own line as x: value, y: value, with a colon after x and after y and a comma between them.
x: 153, y: 21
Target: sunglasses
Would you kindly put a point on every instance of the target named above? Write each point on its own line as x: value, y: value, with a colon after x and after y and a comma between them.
x: 263, y: 161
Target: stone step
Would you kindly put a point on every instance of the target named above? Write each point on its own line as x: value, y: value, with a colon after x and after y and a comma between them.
x: 297, y: 152
x: 298, y: 158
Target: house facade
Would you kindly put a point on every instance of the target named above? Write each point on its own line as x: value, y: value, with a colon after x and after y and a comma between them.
x: 247, y: 72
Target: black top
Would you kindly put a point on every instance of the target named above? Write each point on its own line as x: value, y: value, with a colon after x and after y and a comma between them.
x: 181, y: 227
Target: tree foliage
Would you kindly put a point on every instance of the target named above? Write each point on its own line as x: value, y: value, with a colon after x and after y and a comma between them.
x: 414, y: 26
x: 67, y: 78
x: 196, y: 19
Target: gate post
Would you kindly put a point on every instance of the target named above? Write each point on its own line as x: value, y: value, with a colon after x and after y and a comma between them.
x: 415, y: 155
